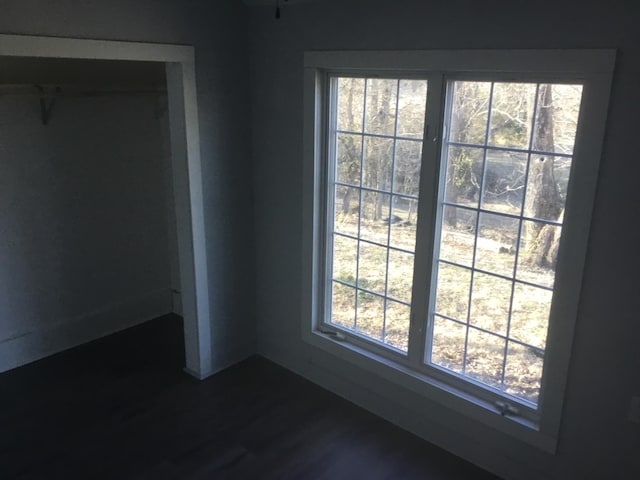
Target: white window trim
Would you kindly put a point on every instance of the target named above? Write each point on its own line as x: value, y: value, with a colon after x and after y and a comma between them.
x: 594, y: 69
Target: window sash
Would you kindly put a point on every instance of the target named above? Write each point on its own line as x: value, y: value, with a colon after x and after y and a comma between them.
x: 415, y: 352
x: 478, y: 211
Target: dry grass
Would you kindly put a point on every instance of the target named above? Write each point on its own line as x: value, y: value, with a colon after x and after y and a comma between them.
x: 489, y: 310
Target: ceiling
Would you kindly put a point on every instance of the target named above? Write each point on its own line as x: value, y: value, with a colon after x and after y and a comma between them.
x: 94, y: 74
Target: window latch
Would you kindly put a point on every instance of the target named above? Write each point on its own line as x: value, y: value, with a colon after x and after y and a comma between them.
x: 505, y: 409
x: 332, y: 334
x: 427, y: 132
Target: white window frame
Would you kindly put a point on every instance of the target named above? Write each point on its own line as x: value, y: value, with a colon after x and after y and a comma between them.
x: 591, y: 68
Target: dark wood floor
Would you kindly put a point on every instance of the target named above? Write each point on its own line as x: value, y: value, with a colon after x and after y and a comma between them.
x: 122, y: 408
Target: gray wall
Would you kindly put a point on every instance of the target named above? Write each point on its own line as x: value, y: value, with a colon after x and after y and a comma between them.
x: 596, y: 441
x: 84, y: 224
x: 217, y: 29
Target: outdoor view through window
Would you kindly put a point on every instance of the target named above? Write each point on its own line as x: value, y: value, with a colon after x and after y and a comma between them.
x: 505, y: 164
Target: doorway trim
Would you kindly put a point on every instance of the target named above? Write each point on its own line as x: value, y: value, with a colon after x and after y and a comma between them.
x: 186, y: 166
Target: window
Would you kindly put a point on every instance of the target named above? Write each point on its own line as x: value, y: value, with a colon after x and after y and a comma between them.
x: 450, y: 207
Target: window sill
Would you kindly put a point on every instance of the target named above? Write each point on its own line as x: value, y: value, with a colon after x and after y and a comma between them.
x: 434, y: 390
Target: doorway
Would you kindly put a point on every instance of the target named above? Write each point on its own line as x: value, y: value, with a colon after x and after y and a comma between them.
x: 179, y: 65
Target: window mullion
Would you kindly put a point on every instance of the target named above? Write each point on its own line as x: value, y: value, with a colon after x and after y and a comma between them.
x: 426, y: 222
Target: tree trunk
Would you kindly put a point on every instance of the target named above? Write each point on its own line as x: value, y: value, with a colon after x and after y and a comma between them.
x: 543, y: 199
x: 543, y: 195
x: 451, y: 195
x: 543, y: 251
x: 451, y: 187
x: 346, y: 201
x: 382, y: 102
x: 353, y: 168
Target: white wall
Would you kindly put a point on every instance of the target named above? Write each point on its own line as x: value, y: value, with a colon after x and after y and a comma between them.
x: 217, y: 29
x: 84, y: 228
x: 596, y: 441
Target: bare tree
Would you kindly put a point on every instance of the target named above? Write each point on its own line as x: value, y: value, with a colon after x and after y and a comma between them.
x: 379, y: 151
x: 468, y: 123
x: 350, y: 152
x: 543, y: 198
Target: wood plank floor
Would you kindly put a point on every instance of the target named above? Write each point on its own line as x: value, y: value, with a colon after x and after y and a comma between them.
x: 122, y: 408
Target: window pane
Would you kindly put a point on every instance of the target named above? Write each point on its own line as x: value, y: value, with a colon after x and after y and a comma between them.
x: 458, y: 240
x: 397, y: 325
x: 350, y: 104
x: 345, y: 258
x: 557, y: 118
x: 448, y: 344
x: 469, y: 112
x: 349, y: 158
x: 538, y: 253
x: 490, y: 302
x: 406, y: 172
x: 523, y: 372
x: 403, y: 231
x: 463, y: 177
x: 411, y: 108
x: 485, y: 356
x: 343, y: 306
x: 530, y: 316
x: 370, y: 320
x: 381, y: 106
x: 454, y: 284
x: 347, y: 210
x: 512, y: 114
x: 547, y: 187
x: 377, y: 163
x: 372, y: 267
x: 504, y: 177
x: 495, y: 244
x: 400, y: 275
x: 375, y: 217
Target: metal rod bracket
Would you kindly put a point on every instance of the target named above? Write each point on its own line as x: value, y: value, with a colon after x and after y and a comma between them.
x: 46, y: 107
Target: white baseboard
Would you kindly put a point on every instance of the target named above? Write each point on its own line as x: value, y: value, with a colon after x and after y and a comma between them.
x: 38, y: 344
x: 225, y: 360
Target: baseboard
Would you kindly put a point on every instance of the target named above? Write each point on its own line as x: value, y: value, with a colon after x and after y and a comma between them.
x: 226, y: 360
x: 35, y: 345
